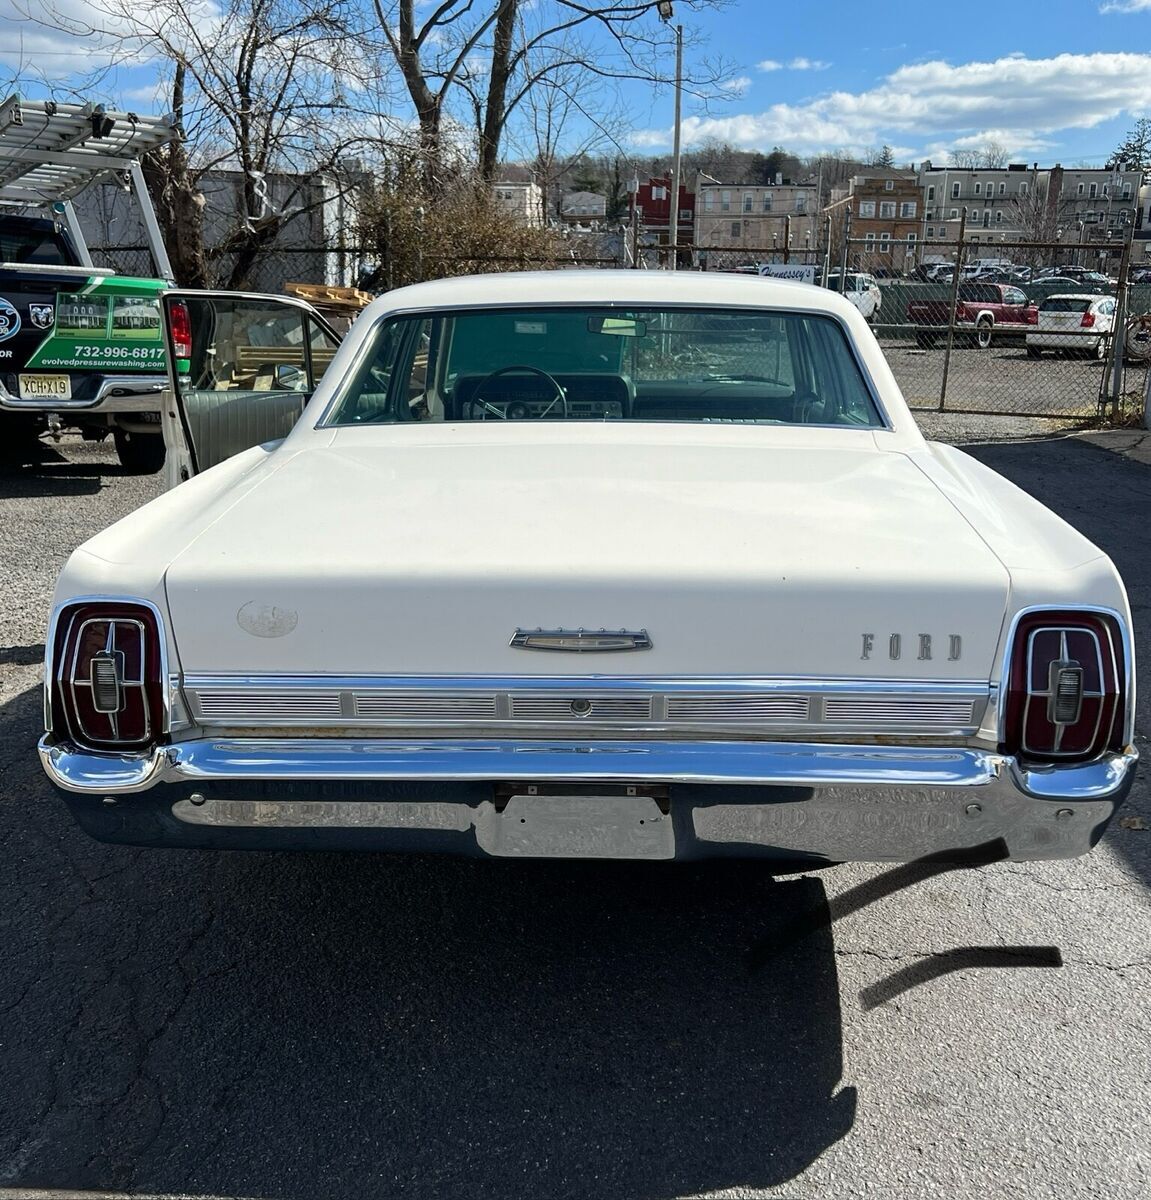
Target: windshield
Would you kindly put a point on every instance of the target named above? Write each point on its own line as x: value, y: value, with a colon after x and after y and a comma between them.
x: 609, y: 364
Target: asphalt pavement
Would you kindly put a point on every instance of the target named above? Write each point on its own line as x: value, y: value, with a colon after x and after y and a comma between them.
x: 340, y: 1027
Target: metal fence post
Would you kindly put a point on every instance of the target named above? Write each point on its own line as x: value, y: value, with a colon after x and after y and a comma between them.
x: 959, y: 255
x: 1118, y: 333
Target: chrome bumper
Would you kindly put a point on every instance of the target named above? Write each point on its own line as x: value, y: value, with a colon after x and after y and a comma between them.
x: 116, y: 393
x: 866, y: 803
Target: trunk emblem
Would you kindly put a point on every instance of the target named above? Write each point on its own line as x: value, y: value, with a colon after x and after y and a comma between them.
x: 581, y: 640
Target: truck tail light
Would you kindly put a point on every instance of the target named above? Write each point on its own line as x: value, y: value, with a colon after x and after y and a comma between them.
x: 107, y: 683
x: 1066, y: 686
x: 1088, y: 320
x: 961, y: 311
x: 181, y: 324
x: 1031, y: 316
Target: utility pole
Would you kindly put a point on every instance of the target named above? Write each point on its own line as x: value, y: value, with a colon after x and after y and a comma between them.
x: 665, y: 12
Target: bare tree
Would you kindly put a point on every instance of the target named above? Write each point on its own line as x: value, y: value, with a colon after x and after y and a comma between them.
x: 991, y: 156
x: 486, y: 57
x: 258, y: 87
x: 463, y: 232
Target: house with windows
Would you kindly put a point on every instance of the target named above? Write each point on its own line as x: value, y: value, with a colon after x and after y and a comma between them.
x: 1084, y: 206
x: 524, y: 201
x: 886, y: 220
x: 650, y: 206
x: 583, y: 208
x: 757, y: 217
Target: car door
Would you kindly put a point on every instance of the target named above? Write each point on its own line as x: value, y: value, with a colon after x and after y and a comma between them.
x: 241, y: 367
x: 1015, y: 306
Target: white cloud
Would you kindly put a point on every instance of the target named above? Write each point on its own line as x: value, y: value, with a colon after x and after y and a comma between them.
x: 935, y: 103
x: 737, y: 86
x: 795, y: 64
x: 1126, y: 6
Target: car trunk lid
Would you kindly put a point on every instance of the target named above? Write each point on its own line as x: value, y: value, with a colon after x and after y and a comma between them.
x: 738, y: 552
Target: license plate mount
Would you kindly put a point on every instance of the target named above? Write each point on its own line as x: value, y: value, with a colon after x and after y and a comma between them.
x: 581, y: 822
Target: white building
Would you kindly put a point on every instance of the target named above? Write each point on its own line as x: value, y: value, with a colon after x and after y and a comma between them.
x: 756, y: 217
x: 1019, y: 202
x: 524, y: 201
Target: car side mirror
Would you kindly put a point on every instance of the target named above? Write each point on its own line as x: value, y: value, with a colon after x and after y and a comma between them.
x: 289, y: 378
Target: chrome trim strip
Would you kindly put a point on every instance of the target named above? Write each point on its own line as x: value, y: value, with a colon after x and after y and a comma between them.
x: 705, y: 762
x: 477, y: 705
x: 976, y: 688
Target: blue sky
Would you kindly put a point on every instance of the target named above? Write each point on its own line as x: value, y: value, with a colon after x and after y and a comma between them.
x: 1048, y: 80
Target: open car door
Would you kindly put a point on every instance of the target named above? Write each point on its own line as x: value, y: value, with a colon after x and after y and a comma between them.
x: 241, y: 367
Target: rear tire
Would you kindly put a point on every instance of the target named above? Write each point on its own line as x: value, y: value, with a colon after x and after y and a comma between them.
x: 982, y: 337
x: 139, y: 453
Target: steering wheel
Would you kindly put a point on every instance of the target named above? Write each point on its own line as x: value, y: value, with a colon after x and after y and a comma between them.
x: 514, y: 410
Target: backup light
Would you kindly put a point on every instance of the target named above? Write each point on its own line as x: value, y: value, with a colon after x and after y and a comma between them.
x: 1065, y: 693
x: 106, y: 678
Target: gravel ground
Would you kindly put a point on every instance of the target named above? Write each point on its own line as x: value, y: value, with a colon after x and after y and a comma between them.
x: 307, y: 1026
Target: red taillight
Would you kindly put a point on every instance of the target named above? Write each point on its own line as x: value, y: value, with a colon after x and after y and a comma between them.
x: 181, y: 326
x: 1088, y: 320
x: 1066, y: 686
x: 961, y: 311
x: 1031, y: 316
x: 107, y: 685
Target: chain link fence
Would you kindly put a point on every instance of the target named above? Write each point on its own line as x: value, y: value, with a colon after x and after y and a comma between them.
x: 1024, y: 329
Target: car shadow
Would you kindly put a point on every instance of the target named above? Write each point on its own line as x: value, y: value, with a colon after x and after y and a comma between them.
x: 1107, y: 497
x: 54, y: 475
x: 289, y: 1026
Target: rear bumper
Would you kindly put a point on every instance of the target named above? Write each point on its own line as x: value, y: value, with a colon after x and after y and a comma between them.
x: 825, y: 802
x: 1067, y: 341
x: 113, y: 394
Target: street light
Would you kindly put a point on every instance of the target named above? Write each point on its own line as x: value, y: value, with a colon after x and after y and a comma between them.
x: 664, y: 8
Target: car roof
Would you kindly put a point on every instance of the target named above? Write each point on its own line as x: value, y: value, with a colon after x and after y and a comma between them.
x: 551, y: 288
x: 1092, y: 296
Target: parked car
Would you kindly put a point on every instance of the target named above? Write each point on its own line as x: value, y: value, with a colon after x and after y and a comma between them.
x: 538, y: 574
x: 1055, y: 285
x: 1074, y: 324
x: 861, y: 289
x: 982, y: 311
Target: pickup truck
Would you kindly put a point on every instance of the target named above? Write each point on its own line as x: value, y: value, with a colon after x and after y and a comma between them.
x: 78, y: 346
x: 982, y: 311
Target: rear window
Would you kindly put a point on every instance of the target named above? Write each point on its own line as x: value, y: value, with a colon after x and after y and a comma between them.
x: 744, y: 366
x: 1064, y: 304
x: 43, y: 246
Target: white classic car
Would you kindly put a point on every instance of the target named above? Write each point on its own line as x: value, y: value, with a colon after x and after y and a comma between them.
x: 599, y: 564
